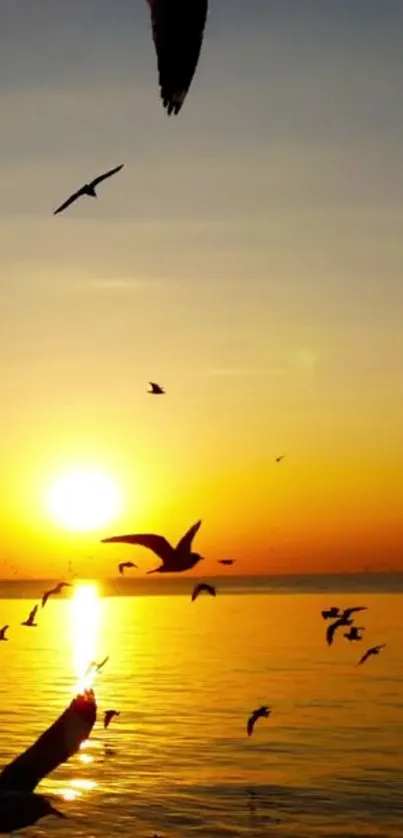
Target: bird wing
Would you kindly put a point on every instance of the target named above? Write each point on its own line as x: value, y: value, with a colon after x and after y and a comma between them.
x: 177, y: 30
x: 185, y: 543
x: 348, y: 611
x: 366, y: 655
x: 196, y: 591
x: 331, y: 631
x: 69, y: 200
x: 45, y: 597
x: 111, y: 172
x: 56, y: 745
x: 210, y: 590
x: 251, y: 722
x: 121, y: 566
x: 157, y: 543
x: 32, y: 614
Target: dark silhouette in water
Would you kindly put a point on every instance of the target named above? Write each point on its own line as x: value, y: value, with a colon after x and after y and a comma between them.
x: 122, y: 566
x: 156, y: 390
x: 3, y: 633
x: 19, y: 807
x: 374, y: 650
x: 354, y: 633
x: 331, y: 614
x: 53, y: 591
x: 260, y: 713
x: 198, y: 589
x: 88, y: 189
x: 177, y: 29
x: 30, y: 621
x: 174, y: 559
x: 109, y: 714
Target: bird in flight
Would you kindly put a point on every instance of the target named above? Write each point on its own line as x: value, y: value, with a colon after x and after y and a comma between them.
x: 53, y: 591
x: 19, y: 806
x: 331, y: 614
x: 375, y: 650
x: 226, y: 561
x: 31, y: 618
x: 261, y: 712
x: 198, y: 589
x: 354, y: 633
x: 122, y: 566
x: 177, y: 30
x: 156, y: 390
x: 174, y: 559
x: 96, y: 666
x: 3, y: 633
x: 109, y: 714
x: 281, y: 457
x: 331, y: 630
x: 87, y: 189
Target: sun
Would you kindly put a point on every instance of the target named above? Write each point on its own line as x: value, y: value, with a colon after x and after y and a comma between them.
x: 83, y: 499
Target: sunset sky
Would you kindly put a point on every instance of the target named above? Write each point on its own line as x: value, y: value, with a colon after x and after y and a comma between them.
x: 248, y: 258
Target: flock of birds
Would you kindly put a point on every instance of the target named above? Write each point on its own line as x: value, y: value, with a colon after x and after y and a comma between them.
x: 354, y: 633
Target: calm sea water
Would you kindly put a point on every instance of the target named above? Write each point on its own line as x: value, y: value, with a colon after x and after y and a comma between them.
x: 185, y: 676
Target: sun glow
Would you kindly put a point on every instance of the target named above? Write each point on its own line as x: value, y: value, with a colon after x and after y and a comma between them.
x: 85, y: 623
x: 83, y: 499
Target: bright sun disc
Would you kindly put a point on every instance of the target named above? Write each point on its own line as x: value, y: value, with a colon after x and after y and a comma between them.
x: 83, y: 499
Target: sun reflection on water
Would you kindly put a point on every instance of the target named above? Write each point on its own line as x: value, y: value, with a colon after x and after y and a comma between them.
x: 85, y: 617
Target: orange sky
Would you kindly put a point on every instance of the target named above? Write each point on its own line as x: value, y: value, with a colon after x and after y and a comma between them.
x: 247, y: 258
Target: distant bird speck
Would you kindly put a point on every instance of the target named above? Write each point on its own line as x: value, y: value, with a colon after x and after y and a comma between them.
x: 122, y: 566
x: 88, y: 189
x: 281, y: 457
x: 226, y: 562
x: 177, y: 29
x: 260, y: 713
x: 3, y: 633
x: 174, y: 559
x: 109, y: 714
x: 53, y: 591
x: 198, y: 589
x: 30, y: 621
x: 374, y: 650
x: 156, y: 390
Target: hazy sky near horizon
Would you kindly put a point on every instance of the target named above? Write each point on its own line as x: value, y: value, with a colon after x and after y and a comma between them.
x: 248, y: 257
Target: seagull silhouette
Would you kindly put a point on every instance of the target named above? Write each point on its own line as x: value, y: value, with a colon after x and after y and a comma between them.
x: 261, y: 712
x: 281, y: 457
x: 156, y: 390
x: 88, y: 189
x: 31, y: 619
x: 177, y: 30
x: 122, y: 566
x: 174, y: 559
x: 198, y: 589
x: 226, y: 561
x: 354, y: 633
x: 331, y: 630
x: 109, y: 714
x: 19, y: 806
x: 96, y: 666
x: 3, y: 633
x: 374, y: 650
x: 53, y: 591
x: 331, y: 614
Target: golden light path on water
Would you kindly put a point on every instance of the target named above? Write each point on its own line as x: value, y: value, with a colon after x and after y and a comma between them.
x: 85, y: 616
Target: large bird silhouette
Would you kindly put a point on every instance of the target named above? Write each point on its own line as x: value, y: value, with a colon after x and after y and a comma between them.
x: 177, y: 30
x: 174, y: 559
x: 19, y: 806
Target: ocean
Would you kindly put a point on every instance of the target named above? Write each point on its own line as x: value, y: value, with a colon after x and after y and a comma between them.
x: 177, y: 762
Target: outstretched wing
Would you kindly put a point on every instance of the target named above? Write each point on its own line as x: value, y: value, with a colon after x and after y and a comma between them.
x: 251, y: 722
x: 111, y: 172
x: 32, y: 614
x: 157, y: 543
x: 331, y: 631
x: 69, y: 201
x: 348, y: 611
x: 196, y: 591
x: 56, y: 745
x: 185, y: 544
x: 365, y: 656
x: 178, y: 29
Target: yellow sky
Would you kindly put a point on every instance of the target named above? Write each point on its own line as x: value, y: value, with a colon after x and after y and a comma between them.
x: 248, y: 257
